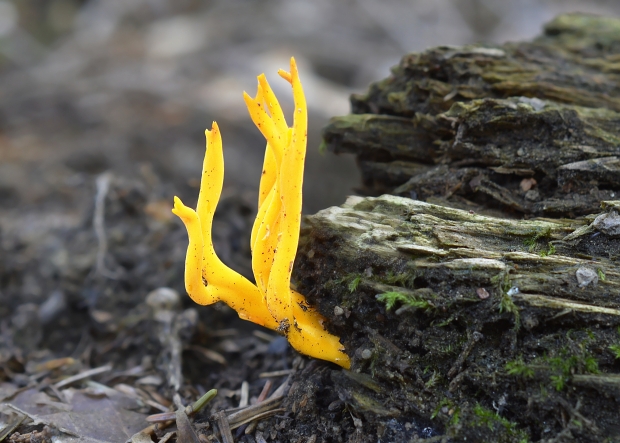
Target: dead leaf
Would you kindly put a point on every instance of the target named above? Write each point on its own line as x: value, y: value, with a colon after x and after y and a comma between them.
x: 185, y: 432
x: 103, y: 419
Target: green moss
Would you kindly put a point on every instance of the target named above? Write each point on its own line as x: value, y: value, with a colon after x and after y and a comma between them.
x: 549, y: 251
x: 565, y: 364
x: 559, y: 368
x: 497, y: 279
x: 501, y: 281
x: 456, y: 416
x: 507, y: 304
x: 405, y: 280
x: 616, y: 348
x: 432, y: 381
x: 354, y: 283
x: 601, y: 274
x: 558, y: 381
x: 446, y: 322
x: 351, y: 280
x: 543, y: 392
x: 488, y: 418
x: 391, y: 298
x: 518, y: 367
x: 532, y: 242
x: 447, y: 349
x: 376, y: 364
x: 444, y: 402
x: 591, y: 365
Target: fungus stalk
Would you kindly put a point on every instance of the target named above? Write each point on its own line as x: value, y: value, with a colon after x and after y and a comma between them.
x: 275, y: 234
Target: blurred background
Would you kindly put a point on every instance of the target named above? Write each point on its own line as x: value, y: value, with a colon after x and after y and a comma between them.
x: 129, y: 86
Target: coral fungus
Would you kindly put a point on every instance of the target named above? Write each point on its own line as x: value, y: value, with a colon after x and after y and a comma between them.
x: 275, y: 234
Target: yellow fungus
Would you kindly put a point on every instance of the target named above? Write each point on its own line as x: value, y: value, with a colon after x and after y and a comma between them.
x: 270, y: 302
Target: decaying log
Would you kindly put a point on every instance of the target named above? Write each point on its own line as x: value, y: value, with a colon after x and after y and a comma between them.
x: 465, y: 321
x: 545, y: 261
x: 469, y: 325
x: 531, y: 127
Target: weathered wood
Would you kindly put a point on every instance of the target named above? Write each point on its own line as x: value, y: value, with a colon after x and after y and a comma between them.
x: 466, y: 126
x: 464, y: 322
x: 449, y: 308
x: 539, y: 257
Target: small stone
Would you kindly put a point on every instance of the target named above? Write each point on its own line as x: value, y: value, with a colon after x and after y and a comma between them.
x: 100, y: 316
x: 608, y: 224
x: 366, y: 354
x: 335, y: 405
x: 527, y: 184
x: 357, y: 423
x: 338, y: 311
x: 532, y: 195
x: 482, y: 293
x: 585, y: 276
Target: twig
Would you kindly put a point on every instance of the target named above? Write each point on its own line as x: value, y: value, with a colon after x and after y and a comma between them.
x: 263, y: 394
x: 253, y: 412
x: 189, y: 410
x: 276, y: 373
x: 83, y: 375
x: 281, y: 390
x: 469, y: 346
x: 12, y: 425
x: 245, y: 394
x: 103, y: 186
x: 209, y: 354
x: 258, y: 417
x: 560, y: 303
x: 575, y: 414
x: 224, y: 425
x: 261, y: 398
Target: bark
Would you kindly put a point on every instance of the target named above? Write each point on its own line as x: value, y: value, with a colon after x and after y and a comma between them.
x: 468, y: 316
x: 528, y: 127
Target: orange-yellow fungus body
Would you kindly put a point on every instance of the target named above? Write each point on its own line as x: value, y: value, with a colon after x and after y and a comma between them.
x: 275, y: 234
